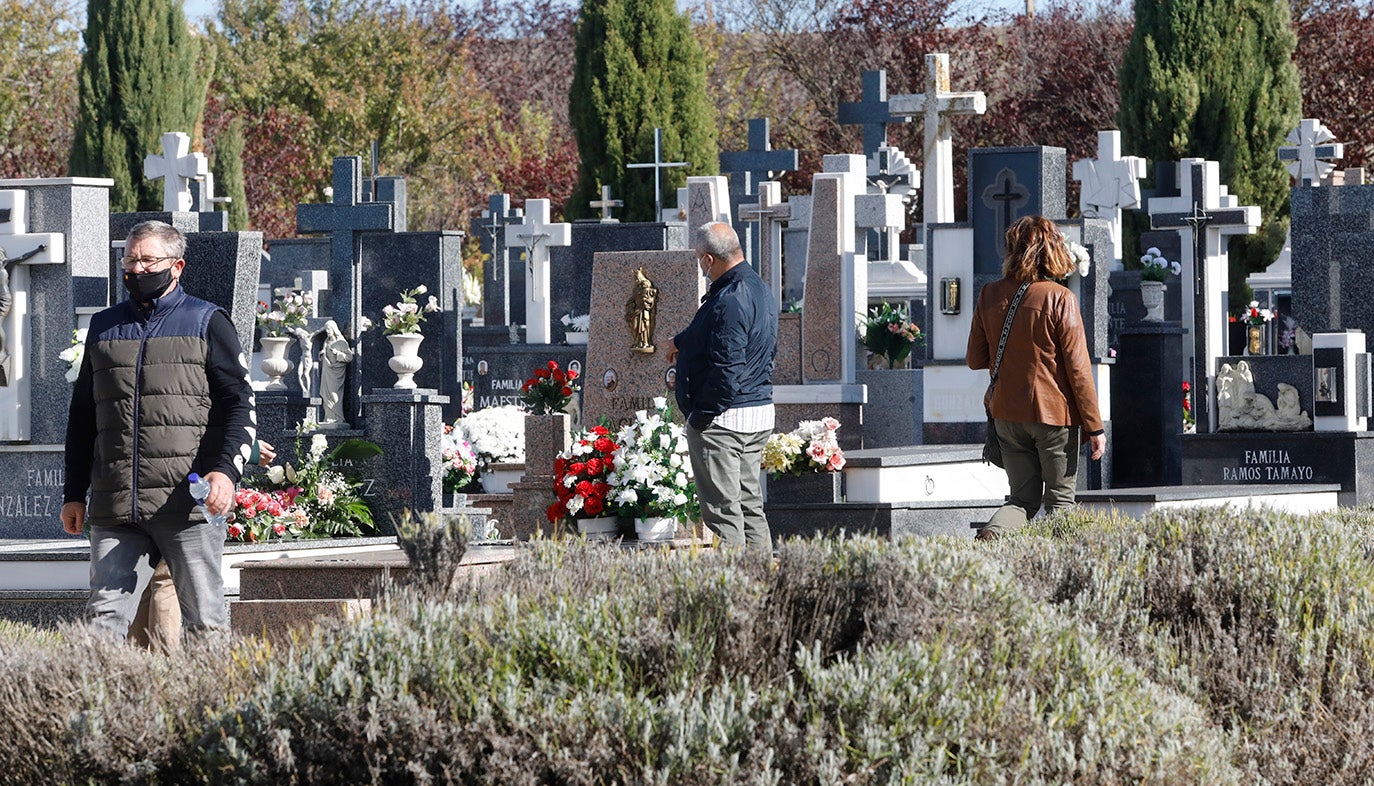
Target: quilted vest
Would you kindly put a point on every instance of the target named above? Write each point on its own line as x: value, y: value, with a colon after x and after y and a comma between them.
x: 152, y: 406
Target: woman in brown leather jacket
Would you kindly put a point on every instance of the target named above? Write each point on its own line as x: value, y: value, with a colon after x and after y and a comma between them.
x: 1044, y: 393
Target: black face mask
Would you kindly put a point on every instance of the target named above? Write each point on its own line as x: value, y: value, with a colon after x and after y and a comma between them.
x: 144, y: 287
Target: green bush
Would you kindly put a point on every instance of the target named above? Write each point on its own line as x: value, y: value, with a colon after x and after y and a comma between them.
x: 1195, y: 647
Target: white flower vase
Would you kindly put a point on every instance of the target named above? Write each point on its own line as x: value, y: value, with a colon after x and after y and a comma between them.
x: 599, y: 528
x: 1152, y: 296
x: 274, y: 363
x: 576, y: 338
x: 656, y: 528
x: 405, y: 358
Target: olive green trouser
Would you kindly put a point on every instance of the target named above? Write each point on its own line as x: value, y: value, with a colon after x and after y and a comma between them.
x: 1041, y: 463
x: 727, y: 465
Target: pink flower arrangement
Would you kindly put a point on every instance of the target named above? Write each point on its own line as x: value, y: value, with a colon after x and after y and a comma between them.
x: 811, y: 447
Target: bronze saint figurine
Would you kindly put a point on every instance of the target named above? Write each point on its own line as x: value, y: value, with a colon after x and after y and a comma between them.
x: 641, y: 313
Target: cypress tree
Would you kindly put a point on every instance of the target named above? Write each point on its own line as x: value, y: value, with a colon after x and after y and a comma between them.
x: 228, y: 169
x: 637, y: 67
x: 1215, y: 79
x: 143, y: 73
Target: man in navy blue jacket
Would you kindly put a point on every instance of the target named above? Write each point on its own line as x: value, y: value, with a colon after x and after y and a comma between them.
x: 724, y: 363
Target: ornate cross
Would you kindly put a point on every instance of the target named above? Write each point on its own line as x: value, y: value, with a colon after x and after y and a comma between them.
x: 1308, y: 146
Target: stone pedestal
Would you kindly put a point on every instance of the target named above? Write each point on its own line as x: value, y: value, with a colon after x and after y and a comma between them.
x: 279, y: 413
x: 895, y: 413
x: 546, y: 436
x: 1148, y: 406
x: 407, y: 424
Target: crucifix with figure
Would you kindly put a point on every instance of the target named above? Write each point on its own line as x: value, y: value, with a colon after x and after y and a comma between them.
x: 536, y: 235
x: 658, y: 165
x: 937, y: 105
x: 19, y: 249
x: 1204, y: 216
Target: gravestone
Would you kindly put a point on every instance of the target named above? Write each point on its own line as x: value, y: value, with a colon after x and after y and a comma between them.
x: 708, y: 199
x: 346, y: 218
x: 794, y: 239
x: 1111, y: 183
x: 393, y: 263
x: 32, y: 466
x: 1204, y: 216
x: 1004, y: 184
x: 496, y: 371
x: 1333, y: 258
x: 770, y: 212
x: 620, y: 380
x: 223, y: 268
x: 872, y: 112
x: 747, y: 170
x: 570, y: 267
x: 836, y: 284
x: 503, y: 284
x: 936, y: 106
x: 21, y: 252
x: 176, y: 168
x: 536, y: 235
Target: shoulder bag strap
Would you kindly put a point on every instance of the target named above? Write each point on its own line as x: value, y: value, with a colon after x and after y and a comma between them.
x: 1006, y: 331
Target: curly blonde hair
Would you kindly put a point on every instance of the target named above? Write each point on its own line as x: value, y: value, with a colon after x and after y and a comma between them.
x: 1036, y: 250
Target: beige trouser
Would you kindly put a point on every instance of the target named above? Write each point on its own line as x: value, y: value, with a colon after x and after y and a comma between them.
x: 1041, y: 463
x: 157, y: 625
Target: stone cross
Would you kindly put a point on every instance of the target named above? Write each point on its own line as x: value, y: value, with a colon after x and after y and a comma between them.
x: 18, y: 350
x: 872, y: 113
x: 346, y: 218
x: 1204, y: 216
x: 1309, y: 146
x: 1110, y: 183
x: 176, y: 167
x: 536, y: 234
x: 770, y: 211
x: 748, y: 168
x: 658, y: 165
x: 1005, y: 196
x: 497, y: 306
x: 605, y: 204
x: 937, y: 104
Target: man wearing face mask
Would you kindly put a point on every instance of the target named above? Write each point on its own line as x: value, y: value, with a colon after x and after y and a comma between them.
x: 724, y: 362
x: 162, y: 392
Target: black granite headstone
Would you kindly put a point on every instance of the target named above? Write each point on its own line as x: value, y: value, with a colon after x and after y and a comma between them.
x: 1006, y: 183
x: 497, y: 372
x: 570, y: 267
x: 394, y: 263
x: 31, y: 478
x: 1333, y: 258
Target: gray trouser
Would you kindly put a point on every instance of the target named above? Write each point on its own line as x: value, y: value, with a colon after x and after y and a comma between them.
x: 727, y: 465
x: 122, y: 562
x: 1041, y: 463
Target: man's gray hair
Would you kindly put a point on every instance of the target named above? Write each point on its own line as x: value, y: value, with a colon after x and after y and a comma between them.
x: 718, y: 239
x: 172, y: 240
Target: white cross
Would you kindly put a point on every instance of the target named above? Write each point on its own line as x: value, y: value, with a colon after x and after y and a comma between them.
x: 537, y: 235
x: 770, y: 211
x: 176, y: 167
x: 1111, y: 183
x: 16, y: 243
x: 1308, y: 145
x: 938, y: 104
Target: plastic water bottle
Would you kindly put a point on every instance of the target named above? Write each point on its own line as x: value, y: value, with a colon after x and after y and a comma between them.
x: 200, y: 489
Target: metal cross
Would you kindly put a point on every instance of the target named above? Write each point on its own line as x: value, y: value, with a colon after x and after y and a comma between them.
x: 658, y: 165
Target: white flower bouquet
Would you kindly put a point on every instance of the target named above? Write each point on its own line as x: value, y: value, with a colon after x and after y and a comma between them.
x: 652, y: 474
x: 72, y: 355
x: 496, y: 433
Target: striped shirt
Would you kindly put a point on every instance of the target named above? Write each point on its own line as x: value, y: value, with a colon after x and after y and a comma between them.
x: 747, y: 420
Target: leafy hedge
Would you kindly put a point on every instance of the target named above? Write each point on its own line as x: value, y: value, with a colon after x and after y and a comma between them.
x: 1198, y: 647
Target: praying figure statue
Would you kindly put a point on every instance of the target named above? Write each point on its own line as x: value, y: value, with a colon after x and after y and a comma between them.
x: 6, y: 301
x: 641, y: 313
x: 334, y: 360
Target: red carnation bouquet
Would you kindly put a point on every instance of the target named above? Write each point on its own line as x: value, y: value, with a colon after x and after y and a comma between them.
x: 579, y: 476
x: 549, y: 390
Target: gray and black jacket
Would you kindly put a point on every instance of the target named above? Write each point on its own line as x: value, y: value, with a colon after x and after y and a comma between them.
x: 162, y: 392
